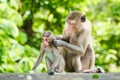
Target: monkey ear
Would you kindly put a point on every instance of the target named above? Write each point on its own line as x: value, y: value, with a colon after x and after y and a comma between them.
x: 83, y: 18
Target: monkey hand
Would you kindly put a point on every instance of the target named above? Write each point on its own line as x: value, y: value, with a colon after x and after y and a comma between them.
x: 51, y: 72
x: 99, y: 70
x: 58, y: 37
x: 59, y: 42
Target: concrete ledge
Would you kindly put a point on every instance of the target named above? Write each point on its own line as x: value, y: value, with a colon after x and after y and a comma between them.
x: 61, y: 76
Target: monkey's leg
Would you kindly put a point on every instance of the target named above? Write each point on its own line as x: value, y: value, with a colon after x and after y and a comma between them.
x: 76, y: 63
x: 92, y: 56
x: 91, y: 69
x: 88, y: 60
x: 48, y: 64
x: 92, y: 61
x: 61, y: 66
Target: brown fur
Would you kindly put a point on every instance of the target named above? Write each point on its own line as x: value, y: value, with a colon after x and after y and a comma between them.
x: 76, y: 44
x: 54, y: 61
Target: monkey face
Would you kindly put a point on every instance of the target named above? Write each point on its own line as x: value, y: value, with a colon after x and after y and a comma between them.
x: 46, y: 41
x: 74, y: 21
x: 70, y: 26
x: 70, y: 23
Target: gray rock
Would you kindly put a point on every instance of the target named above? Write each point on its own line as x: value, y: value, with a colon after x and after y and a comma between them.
x: 60, y: 76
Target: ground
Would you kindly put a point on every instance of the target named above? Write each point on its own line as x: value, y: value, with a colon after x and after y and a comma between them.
x: 61, y: 76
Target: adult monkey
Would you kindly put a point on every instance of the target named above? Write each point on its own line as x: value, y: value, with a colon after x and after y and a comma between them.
x: 76, y: 42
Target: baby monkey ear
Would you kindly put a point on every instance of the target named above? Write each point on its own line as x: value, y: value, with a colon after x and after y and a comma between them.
x: 83, y: 18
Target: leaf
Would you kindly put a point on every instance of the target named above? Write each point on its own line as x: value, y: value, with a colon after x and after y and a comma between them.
x: 22, y: 38
x: 14, y: 3
x: 9, y: 27
x: 11, y: 14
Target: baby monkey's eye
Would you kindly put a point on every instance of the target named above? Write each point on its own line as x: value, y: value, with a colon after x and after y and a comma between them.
x: 46, y: 40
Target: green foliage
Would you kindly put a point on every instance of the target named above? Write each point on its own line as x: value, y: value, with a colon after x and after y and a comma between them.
x: 23, y: 21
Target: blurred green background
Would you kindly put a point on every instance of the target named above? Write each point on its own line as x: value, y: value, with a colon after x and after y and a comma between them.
x: 23, y: 21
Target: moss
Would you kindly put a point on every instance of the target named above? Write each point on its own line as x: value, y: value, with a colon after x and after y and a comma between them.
x: 96, y: 76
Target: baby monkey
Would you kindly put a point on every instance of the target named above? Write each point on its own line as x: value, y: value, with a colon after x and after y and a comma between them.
x: 54, y: 59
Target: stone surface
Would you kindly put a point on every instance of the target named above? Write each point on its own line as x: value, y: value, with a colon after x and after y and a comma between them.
x: 61, y: 76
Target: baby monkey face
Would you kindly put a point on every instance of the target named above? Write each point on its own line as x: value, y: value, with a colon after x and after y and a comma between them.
x: 46, y: 41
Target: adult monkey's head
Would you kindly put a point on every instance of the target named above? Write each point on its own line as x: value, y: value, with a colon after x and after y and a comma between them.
x: 74, y: 20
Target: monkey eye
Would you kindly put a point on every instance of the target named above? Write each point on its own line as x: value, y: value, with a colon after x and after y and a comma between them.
x: 71, y: 22
x: 46, y: 39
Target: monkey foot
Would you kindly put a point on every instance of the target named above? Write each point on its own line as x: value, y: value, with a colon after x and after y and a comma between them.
x: 97, y: 70
x: 51, y: 72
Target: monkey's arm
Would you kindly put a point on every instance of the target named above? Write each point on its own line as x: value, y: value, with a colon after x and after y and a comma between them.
x: 58, y: 37
x: 38, y: 60
x: 80, y: 48
x: 67, y: 45
x: 55, y: 62
x: 57, y: 59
